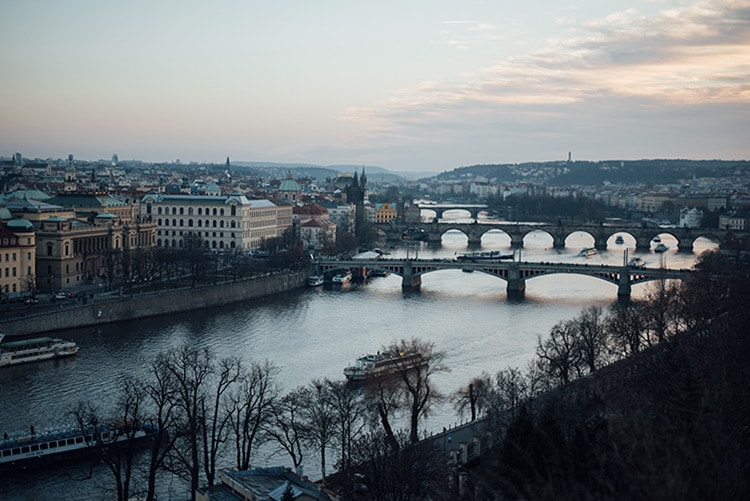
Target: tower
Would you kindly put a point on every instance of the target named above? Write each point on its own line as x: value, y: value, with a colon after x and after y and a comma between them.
x: 355, y: 194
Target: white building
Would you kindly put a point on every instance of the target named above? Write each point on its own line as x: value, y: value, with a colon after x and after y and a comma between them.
x: 219, y: 223
x: 690, y: 218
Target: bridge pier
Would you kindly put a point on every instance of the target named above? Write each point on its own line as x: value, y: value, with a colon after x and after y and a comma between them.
x: 516, y: 285
x: 623, y: 288
x: 410, y: 281
x: 516, y: 241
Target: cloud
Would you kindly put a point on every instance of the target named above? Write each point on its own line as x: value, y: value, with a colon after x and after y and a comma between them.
x: 692, y: 56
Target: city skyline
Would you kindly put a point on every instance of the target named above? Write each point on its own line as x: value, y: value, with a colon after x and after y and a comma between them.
x: 420, y: 87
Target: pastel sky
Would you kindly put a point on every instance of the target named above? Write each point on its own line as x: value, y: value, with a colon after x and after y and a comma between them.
x: 405, y: 85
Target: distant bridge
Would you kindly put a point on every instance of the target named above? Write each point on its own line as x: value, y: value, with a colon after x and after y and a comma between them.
x: 433, y: 232
x: 513, y: 272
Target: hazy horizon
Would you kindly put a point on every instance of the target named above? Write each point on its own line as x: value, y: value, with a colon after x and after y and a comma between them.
x: 416, y: 87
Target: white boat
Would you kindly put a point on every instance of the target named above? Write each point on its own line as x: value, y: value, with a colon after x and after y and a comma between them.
x: 342, y: 278
x: 34, y: 350
x: 383, y: 363
x: 315, y: 280
x: 588, y: 251
x: 29, y: 449
x: 660, y: 247
x: 636, y: 262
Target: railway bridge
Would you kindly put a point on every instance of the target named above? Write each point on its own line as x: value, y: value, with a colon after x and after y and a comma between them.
x: 514, y: 273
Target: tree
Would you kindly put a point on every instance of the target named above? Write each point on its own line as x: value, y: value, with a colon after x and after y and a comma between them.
x: 411, y: 471
x: 350, y: 418
x: 287, y: 425
x: 592, y: 336
x: 161, y: 398
x: 415, y: 377
x: 252, y: 401
x: 559, y: 353
x: 319, y: 419
x: 475, y: 396
x: 191, y: 370
x: 115, y: 440
x: 216, y: 415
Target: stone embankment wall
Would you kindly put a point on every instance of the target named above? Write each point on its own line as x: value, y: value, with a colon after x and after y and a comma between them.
x: 114, y: 309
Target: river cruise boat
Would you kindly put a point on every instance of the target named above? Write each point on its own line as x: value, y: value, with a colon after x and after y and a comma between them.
x: 34, y: 350
x: 381, y: 364
x: 483, y: 256
x: 619, y: 240
x: 30, y: 449
x: 342, y: 278
x: 660, y: 247
x: 588, y: 251
x: 315, y: 280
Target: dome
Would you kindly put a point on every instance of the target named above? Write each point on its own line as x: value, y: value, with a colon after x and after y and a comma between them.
x: 19, y: 224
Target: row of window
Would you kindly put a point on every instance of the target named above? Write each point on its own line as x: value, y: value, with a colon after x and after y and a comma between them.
x: 8, y: 255
x: 181, y: 211
x: 9, y: 241
x: 219, y: 224
x: 181, y: 243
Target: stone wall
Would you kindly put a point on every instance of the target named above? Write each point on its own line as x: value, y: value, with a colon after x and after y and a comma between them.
x: 114, y: 309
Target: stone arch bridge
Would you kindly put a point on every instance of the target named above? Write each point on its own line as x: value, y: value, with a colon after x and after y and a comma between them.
x: 433, y: 232
x: 514, y: 273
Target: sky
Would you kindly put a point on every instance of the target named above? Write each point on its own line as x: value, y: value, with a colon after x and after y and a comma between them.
x: 411, y: 86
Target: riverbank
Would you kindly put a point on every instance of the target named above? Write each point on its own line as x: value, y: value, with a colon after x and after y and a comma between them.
x: 105, y: 308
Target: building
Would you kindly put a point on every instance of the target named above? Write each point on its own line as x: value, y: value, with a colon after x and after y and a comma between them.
x: 83, y: 240
x: 17, y: 259
x: 735, y: 220
x: 385, y: 213
x: 218, y: 223
x: 690, y: 218
x: 262, y: 484
x: 316, y: 230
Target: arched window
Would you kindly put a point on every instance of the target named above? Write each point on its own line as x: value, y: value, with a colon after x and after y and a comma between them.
x: 221, y: 212
x: 67, y: 249
x: 166, y: 222
x: 232, y: 224
x: 158, y: 211
x: 190, y: 223
x: 190, y: 211
x: 49, y: 249
x: 214, y: 211
x: 182, y: 211
x: 221, y: 223
x: 200, y: 224
x: 215, y: 223
x: 174, y: 222
x: 182, y: 222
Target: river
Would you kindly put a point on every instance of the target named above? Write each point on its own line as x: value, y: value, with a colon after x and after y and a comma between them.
x: 314, y: 333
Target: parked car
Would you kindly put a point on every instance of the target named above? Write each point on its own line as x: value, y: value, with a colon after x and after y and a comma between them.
x: 30, y: 299
x: 61, y: 295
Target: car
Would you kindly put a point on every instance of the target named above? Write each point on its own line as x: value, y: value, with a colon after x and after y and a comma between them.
x: 60, y: 295
x: 30, y: 300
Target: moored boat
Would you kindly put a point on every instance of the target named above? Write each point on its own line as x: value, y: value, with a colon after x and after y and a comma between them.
x: 342, y: 278
x: 315, y: 280
x: 619, y: 240
x: 34, y: 350
x: 383, y: 363
x: 22, y: 450
x: 588, y: 251
x: 660, y: 247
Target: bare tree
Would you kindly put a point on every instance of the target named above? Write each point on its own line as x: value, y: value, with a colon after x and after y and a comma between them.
x: 385, y: 396
x: 475, y: 396
x: 287, y: 425
x: 191, y: 370
x: 560, y: 353
x: 217, y: 414
x: 592, y: 336
x: 319, y: 419
x: 115, y: 440
x: 412, y: 471
x: 350, y: 417
x: 414, y: 374
x: 161, y: 392
x: 625, y: 325
x: 252, y: 401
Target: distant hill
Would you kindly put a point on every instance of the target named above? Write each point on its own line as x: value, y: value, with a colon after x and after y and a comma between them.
x: 657, y: 171
x: 319, y: 172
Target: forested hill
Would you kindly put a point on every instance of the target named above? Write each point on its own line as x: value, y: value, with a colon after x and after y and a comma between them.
x: 612, y: 171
